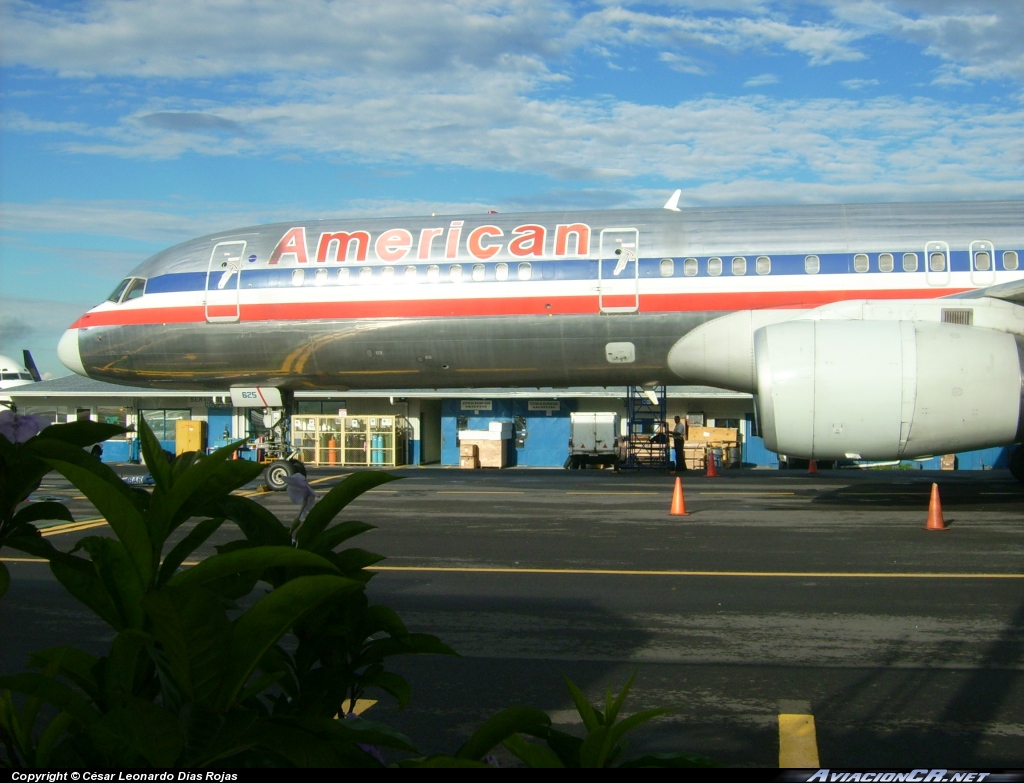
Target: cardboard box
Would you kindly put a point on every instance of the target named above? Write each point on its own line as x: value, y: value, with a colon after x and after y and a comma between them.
x: 493, y: 453
x: 948, y: 462
x: 467, y: 449
x: 469, y: 463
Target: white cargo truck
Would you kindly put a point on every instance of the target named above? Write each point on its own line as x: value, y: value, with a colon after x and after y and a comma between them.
x: 593, y: 440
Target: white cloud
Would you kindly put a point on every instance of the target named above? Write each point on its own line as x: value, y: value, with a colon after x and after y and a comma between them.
x: 859, y: 84
x: 761, y: 80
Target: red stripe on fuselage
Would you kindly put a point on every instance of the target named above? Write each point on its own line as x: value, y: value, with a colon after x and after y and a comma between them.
x: 481, y: 308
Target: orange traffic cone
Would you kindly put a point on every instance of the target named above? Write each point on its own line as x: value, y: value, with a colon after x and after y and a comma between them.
x: 678, y: 503
x: 712, y: 469
x: 812, y: 467
x: 935, y: 521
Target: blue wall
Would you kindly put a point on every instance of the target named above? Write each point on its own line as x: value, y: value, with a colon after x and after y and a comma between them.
x: 547, y: 432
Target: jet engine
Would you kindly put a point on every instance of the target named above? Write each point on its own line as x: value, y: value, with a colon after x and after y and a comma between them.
x: 833, y: 389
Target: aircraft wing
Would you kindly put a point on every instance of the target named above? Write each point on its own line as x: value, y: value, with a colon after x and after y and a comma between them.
x: 1008, y: 292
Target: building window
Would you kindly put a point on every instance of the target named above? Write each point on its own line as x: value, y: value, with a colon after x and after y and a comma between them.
x: 479, y: 272
x: 812, y: 265
x: 763, y: 265
x: 501, y: 272
x: 164, y: 423
x: 1010, y: 260
x: 667, y: 267
x: 886, y: 263
x: 739, y: 265
x: 910, y: 262
x: 525, y: 271
x: 714, y: 266
x: 861, y: 263
x: 690, y: 267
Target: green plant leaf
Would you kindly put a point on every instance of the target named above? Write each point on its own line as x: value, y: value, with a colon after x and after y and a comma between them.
x: 394, y: 684
x: 596, y: 749
x: 122, y: 582
x: 52, y: 692
x: 195, y: 538
x: 590, y: 719
x: 117, y: 503
x: 80, y: 434
x: 614, y: 704
x: 139, y: 734
x: 535, y: 756
x: 250, y: 559
x: 410, y: 644
x: 52, y: 735
x: 194, y: 633
x: 5, y: 579
x: 349, y: 561
x: 500, y: 727
x: 34, y: 512
x: 331, y: 504
x: 71, y: 664
x: 81, y: 580
x: 337, y: 534
x: 258, y: 524
x: 154, y: 457
x: 270, y: 618
x: 120, y: 669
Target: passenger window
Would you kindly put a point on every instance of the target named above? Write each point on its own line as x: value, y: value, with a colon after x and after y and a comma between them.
x: 501, y: 272
x: 667, y: 267
x: 886, y: 263
x: 387, y: 274
x: 763, y: 265
x: 861, y: 262
x: 739, y: 265
x: 1010, y: 261
x: 812, y: 265
x: 410, y: 274
x: 910, y: 262
x: 690, y: 267
x: 455, y: 273
x: 343, y: 275
x: 366, y: 273
x: 525, y: 271
x: 298, y: 276
x: 714, y: 266
x: 982, y: 261
x: 433, y: 273
x: 479, y: 272
x: 320, y: 278
x: 937, y: 261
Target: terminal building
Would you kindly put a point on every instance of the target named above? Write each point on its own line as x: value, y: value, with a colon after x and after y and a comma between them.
x: 406, y: 427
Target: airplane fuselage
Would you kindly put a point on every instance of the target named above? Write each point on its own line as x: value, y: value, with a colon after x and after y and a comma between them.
x: 544, y: 299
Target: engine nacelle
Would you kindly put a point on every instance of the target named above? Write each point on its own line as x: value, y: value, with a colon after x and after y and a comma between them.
x: 886, y: 389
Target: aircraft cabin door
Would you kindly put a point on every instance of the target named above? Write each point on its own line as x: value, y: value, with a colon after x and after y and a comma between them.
x: 618, y: 271
x: 224, y: 283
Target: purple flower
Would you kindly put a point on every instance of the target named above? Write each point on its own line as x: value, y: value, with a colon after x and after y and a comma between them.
x: 18, y: 428
x: 300, y: 493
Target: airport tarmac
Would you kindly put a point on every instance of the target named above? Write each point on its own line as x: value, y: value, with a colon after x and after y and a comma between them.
x: 780, y: 593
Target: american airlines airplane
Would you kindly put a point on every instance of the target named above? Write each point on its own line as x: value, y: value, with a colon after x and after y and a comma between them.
x: 865, y: 331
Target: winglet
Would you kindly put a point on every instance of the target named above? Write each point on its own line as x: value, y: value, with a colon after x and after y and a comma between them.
x: 673, y: 201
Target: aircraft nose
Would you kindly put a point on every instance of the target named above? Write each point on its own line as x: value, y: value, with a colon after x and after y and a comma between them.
x: 68, y: 353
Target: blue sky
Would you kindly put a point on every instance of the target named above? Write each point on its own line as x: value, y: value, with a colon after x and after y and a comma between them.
x: 130, y: 125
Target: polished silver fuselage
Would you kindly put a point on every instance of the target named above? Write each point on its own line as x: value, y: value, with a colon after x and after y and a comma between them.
x: 528, y: 300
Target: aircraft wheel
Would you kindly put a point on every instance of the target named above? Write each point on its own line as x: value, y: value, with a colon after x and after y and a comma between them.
x: 276, y: 473
x: 298, y: 466
x: 1017, y: 463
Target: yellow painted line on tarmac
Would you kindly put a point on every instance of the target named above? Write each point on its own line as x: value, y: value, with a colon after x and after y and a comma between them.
x: 23, y: 560
x: 72, y: 527
x: 627, y: 572
x: 703, y: 492
x: 616, y: 492
x: 798, y: 742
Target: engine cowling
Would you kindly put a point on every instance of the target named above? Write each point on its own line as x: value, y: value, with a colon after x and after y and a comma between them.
x: 886, y: 389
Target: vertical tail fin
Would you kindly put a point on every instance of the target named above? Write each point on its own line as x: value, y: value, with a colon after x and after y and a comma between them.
x: 30, y: 365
